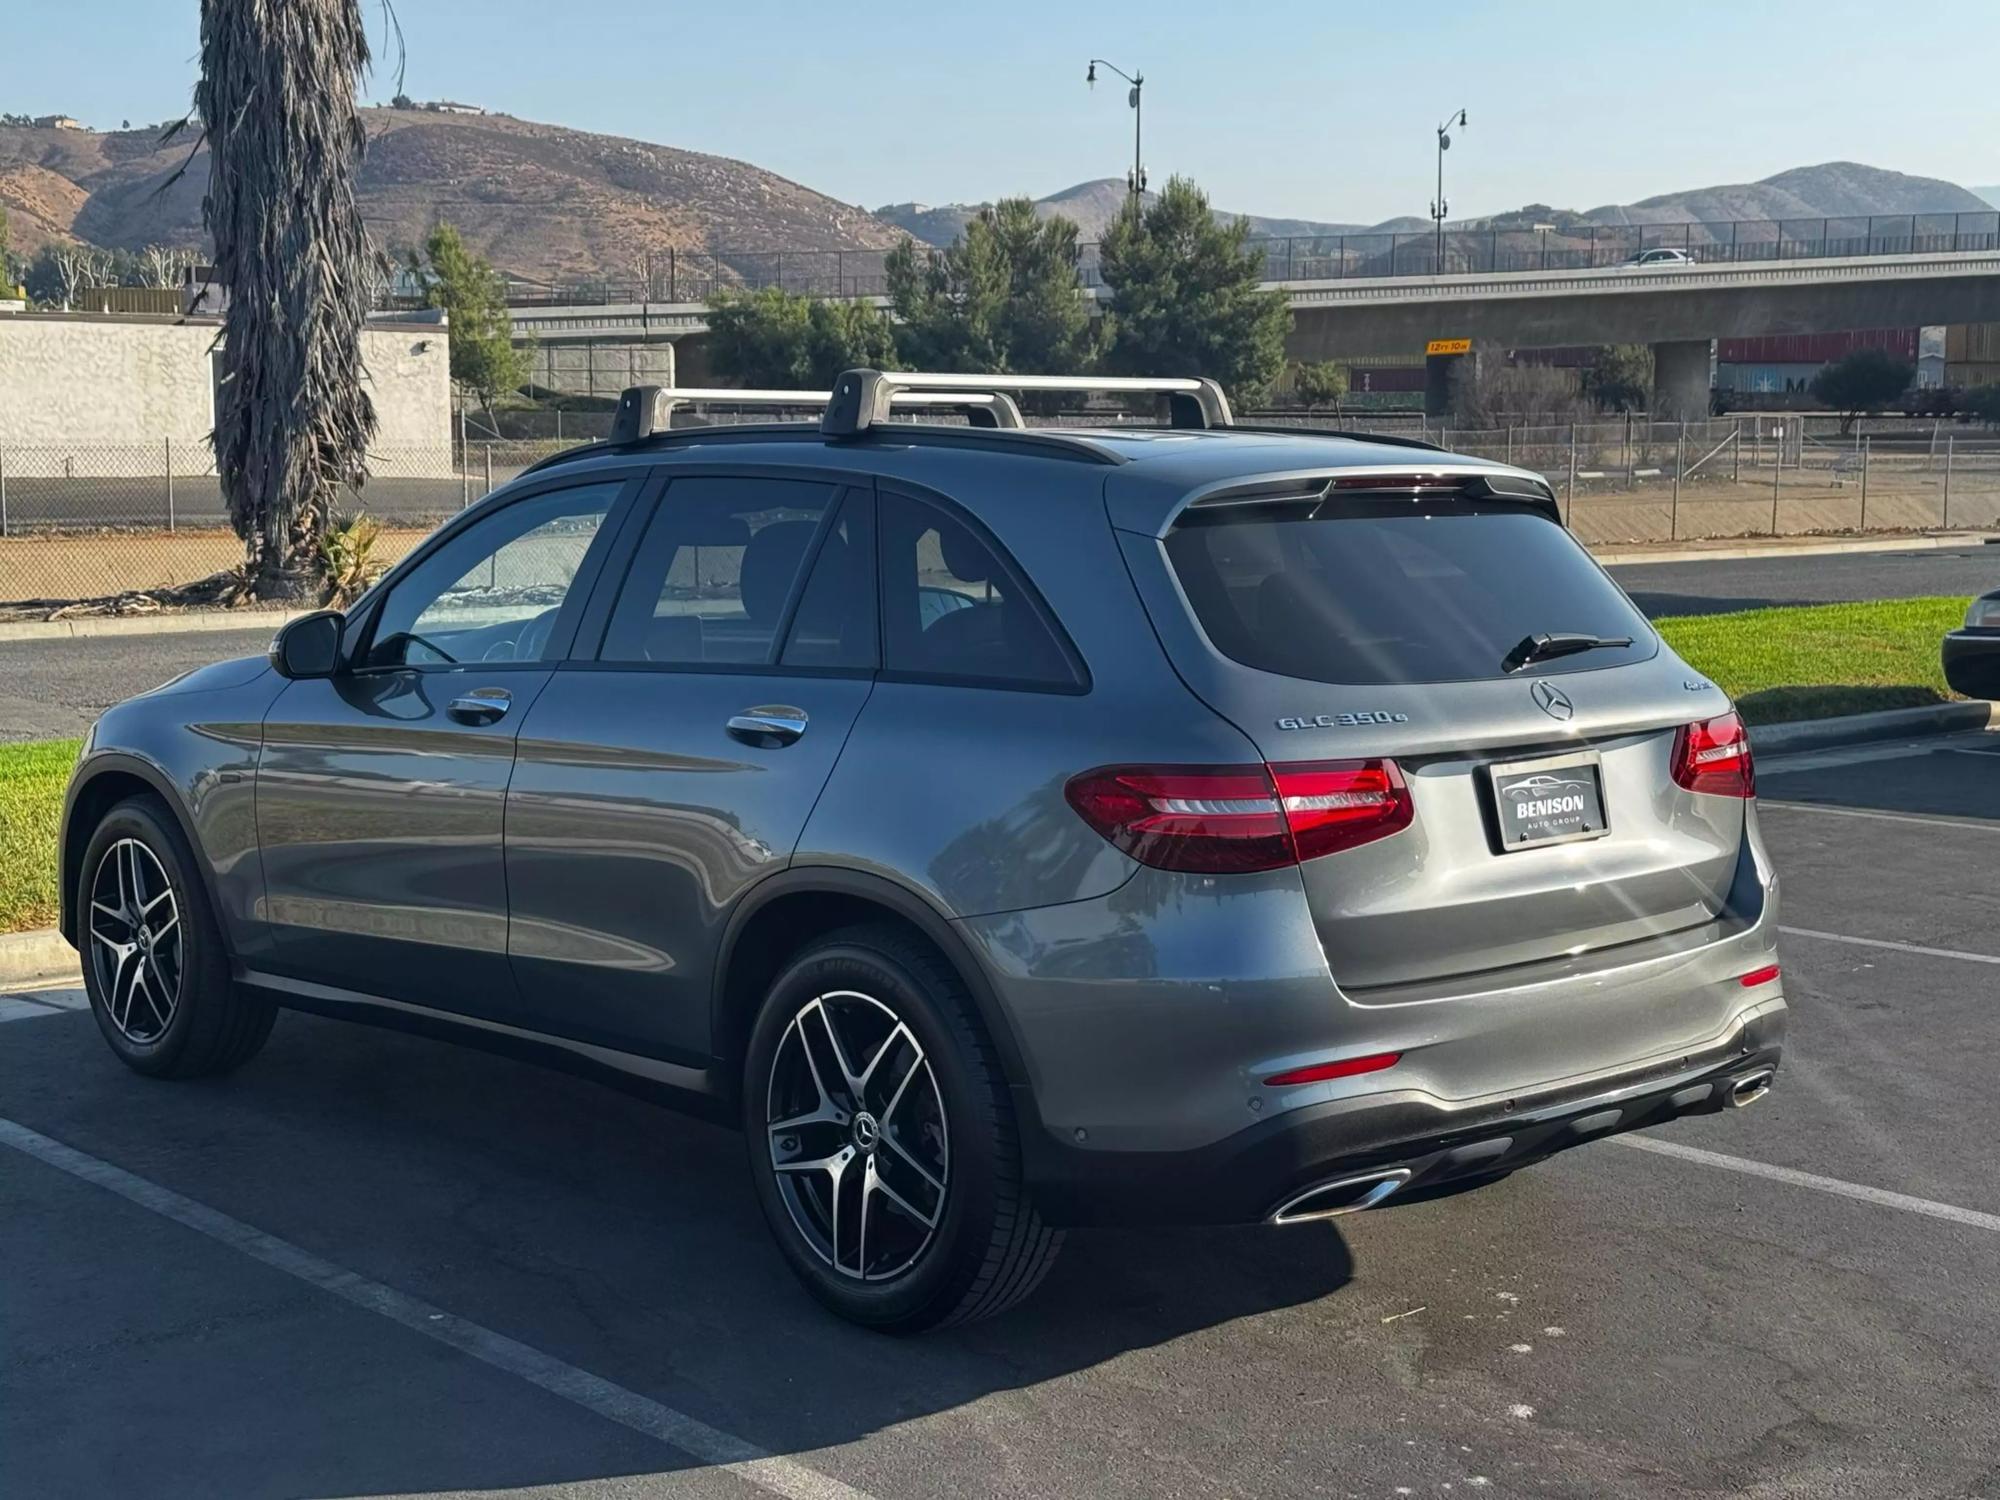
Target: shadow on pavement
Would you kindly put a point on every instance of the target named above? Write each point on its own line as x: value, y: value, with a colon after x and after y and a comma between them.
x: 1656, y: 604
x: 1953, y: 776
x: 607, y: 1232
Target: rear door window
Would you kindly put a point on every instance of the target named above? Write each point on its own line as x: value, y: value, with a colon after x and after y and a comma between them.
x: 1439, y: 596
x: 956, y: 609
x: 716, y: 575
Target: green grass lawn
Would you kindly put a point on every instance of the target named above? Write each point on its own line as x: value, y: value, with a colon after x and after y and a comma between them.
x: 1813, y: 661
x: 32, y: 778
x: 1804, y: 662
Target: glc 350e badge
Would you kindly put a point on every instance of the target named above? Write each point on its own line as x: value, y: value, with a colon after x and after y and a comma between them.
x: 1344, y: 721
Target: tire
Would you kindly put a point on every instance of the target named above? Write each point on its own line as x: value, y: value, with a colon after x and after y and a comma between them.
x: 168, y: 1009
x: 934, y: 1099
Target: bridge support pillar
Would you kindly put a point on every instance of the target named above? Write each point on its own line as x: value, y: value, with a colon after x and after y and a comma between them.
x: 1680, y: 379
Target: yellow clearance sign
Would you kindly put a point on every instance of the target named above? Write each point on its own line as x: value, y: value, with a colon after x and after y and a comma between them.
x: 1448, y: 346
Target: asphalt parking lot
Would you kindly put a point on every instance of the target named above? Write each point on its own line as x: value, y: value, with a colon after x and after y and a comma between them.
x: 371, y: 1264
x: 1703, y: 586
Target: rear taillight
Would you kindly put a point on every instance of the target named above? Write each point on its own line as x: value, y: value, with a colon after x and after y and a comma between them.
x: 1713, y: 756
x: 1230, y: 819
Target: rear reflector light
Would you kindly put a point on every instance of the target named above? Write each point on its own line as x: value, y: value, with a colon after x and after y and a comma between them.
x: 1347, y: 1067
x: 1756, y: 977
x: 1713, y: 756
x: 1233, y: 819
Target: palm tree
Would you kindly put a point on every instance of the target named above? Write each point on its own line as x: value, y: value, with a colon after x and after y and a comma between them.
x: 276, y: 102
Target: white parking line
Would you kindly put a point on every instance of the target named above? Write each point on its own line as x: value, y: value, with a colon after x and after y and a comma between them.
x: 1970, y: 1217
x: 1972, y: 824
x: 779, y: 1476
x: 1862, y: 942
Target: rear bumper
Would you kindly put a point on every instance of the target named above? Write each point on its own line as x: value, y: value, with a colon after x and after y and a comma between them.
x: 1247, y: 1177
x: 1972, y: 662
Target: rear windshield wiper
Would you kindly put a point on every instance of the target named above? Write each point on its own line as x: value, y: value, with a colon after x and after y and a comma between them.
x: 1550, y: 644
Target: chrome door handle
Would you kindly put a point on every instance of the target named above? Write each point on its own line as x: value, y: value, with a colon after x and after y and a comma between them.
x: 770, y: 727
x: 481, y: 706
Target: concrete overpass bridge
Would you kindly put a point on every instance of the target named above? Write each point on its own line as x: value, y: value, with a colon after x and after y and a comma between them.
x: 600, y: 349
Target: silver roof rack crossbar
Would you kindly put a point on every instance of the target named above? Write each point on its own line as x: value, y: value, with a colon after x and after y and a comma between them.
x: 647, y: 409
x: 861, y: 398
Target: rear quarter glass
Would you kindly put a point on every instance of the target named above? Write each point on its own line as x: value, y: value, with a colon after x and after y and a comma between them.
x: 1388, y: 598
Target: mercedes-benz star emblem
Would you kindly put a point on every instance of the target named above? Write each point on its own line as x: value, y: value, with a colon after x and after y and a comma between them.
x: 1552, y: 700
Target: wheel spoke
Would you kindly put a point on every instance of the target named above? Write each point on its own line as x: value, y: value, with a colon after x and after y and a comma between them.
x: 166, y: 992
x: 160, y: 932
x: 869, y: 1183
x: 840, y: 1061
x: 160, y: 1017
x: 914, y: 1165
x: 147, y: 909
x: 868, y: 1073
x: 929, y: 1221
x: 889, y: 1110
x: 831, y: 1165
x: 133, y: 985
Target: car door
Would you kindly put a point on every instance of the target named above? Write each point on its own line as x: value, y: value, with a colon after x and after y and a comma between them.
x: 380, y: 790
x: 661, y: 778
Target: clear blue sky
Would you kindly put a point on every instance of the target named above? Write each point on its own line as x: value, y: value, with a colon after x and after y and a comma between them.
x: 1313, y: 110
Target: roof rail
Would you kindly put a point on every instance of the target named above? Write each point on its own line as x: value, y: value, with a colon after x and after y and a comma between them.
x: 646, y: 409
x: 861, y: 398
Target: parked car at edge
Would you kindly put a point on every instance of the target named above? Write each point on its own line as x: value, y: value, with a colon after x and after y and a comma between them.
x: 1972, y: 652
x: 1267, y: 825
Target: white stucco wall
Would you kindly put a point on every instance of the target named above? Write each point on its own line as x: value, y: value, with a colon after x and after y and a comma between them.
x: 104, y: 395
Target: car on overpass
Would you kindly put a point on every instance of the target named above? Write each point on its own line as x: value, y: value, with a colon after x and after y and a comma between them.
x: 1272, y: 824
x: 1658, y: 260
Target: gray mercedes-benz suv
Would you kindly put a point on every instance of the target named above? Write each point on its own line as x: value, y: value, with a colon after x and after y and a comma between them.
x: 1009, y: 828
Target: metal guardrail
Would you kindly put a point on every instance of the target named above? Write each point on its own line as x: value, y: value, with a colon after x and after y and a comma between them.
x: 695, y: 276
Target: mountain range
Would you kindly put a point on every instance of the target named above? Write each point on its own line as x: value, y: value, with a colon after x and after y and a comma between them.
x: 547, y: 202
x: 1839, y: 189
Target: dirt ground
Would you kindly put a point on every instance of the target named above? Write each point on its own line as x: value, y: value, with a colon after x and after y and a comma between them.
x: 89, y: 565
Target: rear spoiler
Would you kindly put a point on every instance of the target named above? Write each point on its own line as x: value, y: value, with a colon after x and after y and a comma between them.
x: 1431, y: 482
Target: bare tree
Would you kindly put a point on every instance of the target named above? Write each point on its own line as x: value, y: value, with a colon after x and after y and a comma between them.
x: 163, y: 266
x: 276, y: 102
x: 77, y: 266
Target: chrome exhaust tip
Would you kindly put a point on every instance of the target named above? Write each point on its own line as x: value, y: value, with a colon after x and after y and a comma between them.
x: 1751, y: 1087
x: 1346, y: 1195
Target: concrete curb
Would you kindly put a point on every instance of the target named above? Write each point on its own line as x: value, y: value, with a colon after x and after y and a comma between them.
x: 1778, y: 551
x: 193, y: 622
x: 1861, y: 729
x: 39, y: 954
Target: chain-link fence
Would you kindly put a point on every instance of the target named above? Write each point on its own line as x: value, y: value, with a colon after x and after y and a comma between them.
x: 87, y: 522
x: 90, y: 521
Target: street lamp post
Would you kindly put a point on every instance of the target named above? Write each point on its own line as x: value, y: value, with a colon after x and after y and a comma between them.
x: 1439, y: 208
x: 1137, y: 179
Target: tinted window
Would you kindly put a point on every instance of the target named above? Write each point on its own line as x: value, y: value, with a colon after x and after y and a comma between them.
x: 493, y: 592
x: 953, y: 607
x: 1441, y: 597
x: 716, y: 571
x: 834, y: 625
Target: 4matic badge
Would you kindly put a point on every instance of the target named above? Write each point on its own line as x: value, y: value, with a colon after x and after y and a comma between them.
x: 1344, y: 721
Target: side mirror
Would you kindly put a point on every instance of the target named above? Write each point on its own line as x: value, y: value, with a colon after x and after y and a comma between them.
x: 309, y: 646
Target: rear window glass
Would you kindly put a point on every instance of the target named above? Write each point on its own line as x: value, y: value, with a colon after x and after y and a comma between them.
x: 1436, y: 597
